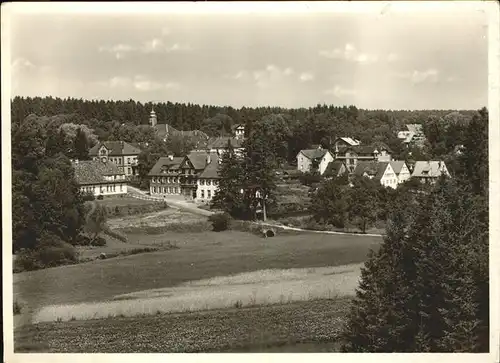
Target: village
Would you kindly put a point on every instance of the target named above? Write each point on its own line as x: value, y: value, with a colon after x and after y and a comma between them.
x: 195, y: 176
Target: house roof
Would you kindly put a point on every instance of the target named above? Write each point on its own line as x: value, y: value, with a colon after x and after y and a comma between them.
x: 221, y: 142
x: 372, y: 168
x: 397, y: 165
x: 93, y: 171
x: 333, y: 168
x: 238, y: 126
x: 415, y: 128
x: 198, y: 158
x: 116, y: 148
x: 165, y: 163
x: 163, y: 130
x: 314, y: 153
x: 429, y: 169
x: 365, y: 149
x: 350, y: 141
x: 212, y: 169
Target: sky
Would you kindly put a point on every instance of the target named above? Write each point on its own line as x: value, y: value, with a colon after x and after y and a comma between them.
x: 383, y: 59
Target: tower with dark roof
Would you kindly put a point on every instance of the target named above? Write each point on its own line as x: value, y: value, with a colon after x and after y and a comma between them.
x: 152, y: 118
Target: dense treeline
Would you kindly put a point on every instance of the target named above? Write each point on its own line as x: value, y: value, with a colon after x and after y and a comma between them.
x: 128, y: 121
x: 427, y: 288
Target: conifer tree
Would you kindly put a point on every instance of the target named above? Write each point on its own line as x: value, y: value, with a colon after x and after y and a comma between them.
x: 228, y: 196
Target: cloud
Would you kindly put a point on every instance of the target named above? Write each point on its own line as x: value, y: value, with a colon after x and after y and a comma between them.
x: 339, y: 91
x: 22, y: 64
x: 264, y: 77
x: 392, y: 57
x: 416, y: 76
x: 349, y: 53
x: 155, y: 45
x: 306, y: 76
x: 139, y: 82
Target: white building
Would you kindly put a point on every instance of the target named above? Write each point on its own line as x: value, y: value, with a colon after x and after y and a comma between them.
x: 309, y: 160
x: 401, y: 169
x: 380, y: 171
x: 99, y: 177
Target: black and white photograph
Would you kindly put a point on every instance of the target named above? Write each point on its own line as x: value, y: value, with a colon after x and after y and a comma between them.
x: 267, y: 177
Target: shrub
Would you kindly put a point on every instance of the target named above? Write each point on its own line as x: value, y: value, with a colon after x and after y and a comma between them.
x: 56, y: 253
x: 220, y: 221
x: 100, y: 197
x: 26, y: 260
x: 82, y: 240
x: 17, y: 308
x: 98, y: 241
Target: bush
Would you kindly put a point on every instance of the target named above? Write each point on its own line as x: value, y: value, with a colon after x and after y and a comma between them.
x: 220, y: 221
x: 60, y: 253
x: 17, y: 308
x: 26, y: 260
x: 98, y: 241
x: 100, y: 197
x: 88, y: 197
x: 83, y: 240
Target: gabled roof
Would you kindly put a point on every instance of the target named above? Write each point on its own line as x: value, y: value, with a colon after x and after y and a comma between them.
x: 373, y: 169
x: 165, y: 163
x: 162, y: 130
x: 212, y: 169
x: 221, y: 142
x: 313, y: 153
x: 333, y: 168
x: 428, y: 169
x: 238, y: 126
x: 415, y: 128
x: 365, y: 149
x: 397, y: 166
x: 115, y: 148
x: 197, y: 158
x: 93, y: 171
x: 350, y: 141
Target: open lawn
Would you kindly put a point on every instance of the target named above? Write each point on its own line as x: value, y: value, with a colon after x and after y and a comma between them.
x: 199, y: 256
x: 311, y: 326
x: 125, y: 201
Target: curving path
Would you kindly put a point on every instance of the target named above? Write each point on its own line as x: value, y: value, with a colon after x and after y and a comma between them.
x: 194, y: 209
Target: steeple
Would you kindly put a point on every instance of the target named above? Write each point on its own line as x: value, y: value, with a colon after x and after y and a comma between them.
x: 152, y: 118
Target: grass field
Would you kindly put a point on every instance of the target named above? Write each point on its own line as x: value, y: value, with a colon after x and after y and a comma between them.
x: 264, y: 287
x: 199, y: 256
x: 311, y: 326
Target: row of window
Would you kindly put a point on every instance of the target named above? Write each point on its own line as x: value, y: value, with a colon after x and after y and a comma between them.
x: 166, y: 190
x: 174, y: 179
x: 209, y: 194
x: 108, y: 188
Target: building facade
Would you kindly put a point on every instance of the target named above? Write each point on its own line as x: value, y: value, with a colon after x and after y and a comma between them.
x: 381, y: 172
x: 310, y: 160
x: 122, y: 154
x: 165, y: 177
x: 99, y: 178
x: 351, y: 155
x: 428, y: 172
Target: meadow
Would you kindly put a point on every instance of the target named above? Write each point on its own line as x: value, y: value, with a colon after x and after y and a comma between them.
x: 207, y: 271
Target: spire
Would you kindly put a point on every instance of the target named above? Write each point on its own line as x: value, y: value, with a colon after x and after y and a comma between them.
x: 152, y: 117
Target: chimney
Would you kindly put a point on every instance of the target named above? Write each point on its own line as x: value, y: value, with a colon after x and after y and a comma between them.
x: 171, y: 157
x: 209, y: 159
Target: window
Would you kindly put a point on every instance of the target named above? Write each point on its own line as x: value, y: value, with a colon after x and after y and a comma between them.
x: 163, y: 180
x: 164, y: 190
x: 121, y: 187
x: 202, y: 194
x: 129, y: 170
x: 202, y: 182
x: 208, y: 182
x: 209, y: 194
x: 154, y: 189
x: 170, y: 190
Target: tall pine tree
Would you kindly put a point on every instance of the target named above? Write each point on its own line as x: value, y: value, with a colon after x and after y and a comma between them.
x: 228, y: 196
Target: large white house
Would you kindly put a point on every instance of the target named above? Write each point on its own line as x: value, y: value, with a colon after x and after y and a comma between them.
x: 380, y: 171
x: 309, y: 160
x: 429, y: 171
x: 98, y: 177
x: 401, y: 169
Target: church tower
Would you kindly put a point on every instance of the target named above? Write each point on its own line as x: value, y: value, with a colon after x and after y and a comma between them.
x: 152, y: 118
